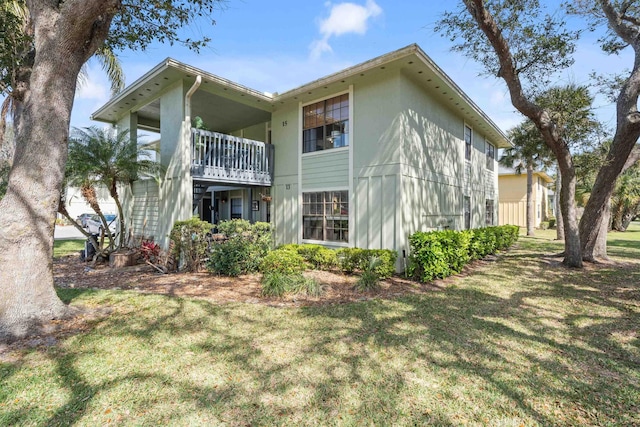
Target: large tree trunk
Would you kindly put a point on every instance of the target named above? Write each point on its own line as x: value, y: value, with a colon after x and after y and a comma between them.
x: 66, y: 35
x: 624, y: 141
x: 572, y: 249
x: 559, y: 217
x: 530, y: 206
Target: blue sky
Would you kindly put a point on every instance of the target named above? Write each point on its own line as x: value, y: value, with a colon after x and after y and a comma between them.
x: 279, y: 45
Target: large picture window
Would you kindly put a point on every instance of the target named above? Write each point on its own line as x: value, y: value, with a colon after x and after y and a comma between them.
x: 325, y: 216
x: 326, y: 124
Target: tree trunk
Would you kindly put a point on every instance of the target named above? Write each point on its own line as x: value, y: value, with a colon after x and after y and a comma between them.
x: 559, y: 217
x: 530, y: 206
x: 572, y: 249
x: 66, y: 34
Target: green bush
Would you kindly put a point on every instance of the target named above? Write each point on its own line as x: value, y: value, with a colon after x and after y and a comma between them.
x: 307, y: 286
x: 245, y: 246
x: 283, y: 261
x: 369, y: 280
x: 356, y: 259
x: 190, y: 242
x: 552, y: 222
x: 317, y: 256
x: 544, y: 225
x: 276, y: 284
x: 427, y: 260
x: 439, y: 254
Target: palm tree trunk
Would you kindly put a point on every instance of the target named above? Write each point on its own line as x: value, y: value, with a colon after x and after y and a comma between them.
x: 530, y: 206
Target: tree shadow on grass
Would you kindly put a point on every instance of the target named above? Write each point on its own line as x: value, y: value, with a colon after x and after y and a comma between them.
x: 551, y: 346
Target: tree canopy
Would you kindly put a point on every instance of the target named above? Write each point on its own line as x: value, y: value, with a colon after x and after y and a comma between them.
x: 42, y: 67
x: 526, y: 43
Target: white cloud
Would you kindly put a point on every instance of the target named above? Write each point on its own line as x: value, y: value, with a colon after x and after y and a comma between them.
x: 344, y: 18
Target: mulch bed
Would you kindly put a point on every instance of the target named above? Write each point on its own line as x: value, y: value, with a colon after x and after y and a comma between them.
x: 338, y: 288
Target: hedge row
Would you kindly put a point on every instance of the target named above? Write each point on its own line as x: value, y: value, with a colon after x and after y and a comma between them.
x: 345, y: 259
x: 438, y: 254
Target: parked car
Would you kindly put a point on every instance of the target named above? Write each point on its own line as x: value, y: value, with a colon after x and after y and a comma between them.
x: 82, y: 219
x: 94, y: 224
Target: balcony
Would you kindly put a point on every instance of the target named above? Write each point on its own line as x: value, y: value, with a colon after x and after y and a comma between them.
x: 216, y: 157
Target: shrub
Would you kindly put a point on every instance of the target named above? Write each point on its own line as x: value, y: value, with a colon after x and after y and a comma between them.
x: 318, y: 256
x: 427, y: 260
x: 307, y: 286
x: 275, y: 284
x: 552, y: 222
x: 438, y: 254
x: 353, y: 259
x: 245, y: 247
x: 544, y: 225
x: 283, y: 261
x: 369, y: 279
x: 190, y: 242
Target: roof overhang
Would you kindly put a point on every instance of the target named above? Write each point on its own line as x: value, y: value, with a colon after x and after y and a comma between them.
x: 151, y: 85
x: 416, y: 64
x: 412, y: 61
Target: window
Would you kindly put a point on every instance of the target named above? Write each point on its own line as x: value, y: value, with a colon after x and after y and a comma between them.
x: 236, y: 208
x: 491, y: 155
x: 489, y: 212
x: 467, y: 212
x: 325, y: 216
x: 326, y: 124
x: 467, y: 143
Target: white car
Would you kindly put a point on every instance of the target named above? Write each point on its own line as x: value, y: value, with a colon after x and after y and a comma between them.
x: 94, y: 224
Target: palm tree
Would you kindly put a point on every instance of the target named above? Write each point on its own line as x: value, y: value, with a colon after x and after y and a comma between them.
x: 102, y: 157
x: 529, y: 152
x: 625, y: 202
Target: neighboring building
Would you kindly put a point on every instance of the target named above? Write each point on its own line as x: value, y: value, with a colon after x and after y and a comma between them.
x: 512, y: 208
x: 364, y: 157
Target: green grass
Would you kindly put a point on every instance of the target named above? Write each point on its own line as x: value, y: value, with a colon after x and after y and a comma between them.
x: 64, y: 247
x: 521, y: 341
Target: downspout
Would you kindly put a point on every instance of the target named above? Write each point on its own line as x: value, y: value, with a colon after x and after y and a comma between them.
x: 187, y: 99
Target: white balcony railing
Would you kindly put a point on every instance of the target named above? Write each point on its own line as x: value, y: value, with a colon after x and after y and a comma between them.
x: 230, y: 159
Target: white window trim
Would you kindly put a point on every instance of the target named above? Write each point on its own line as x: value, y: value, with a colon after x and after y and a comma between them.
x: 326, y: 242
x: 464, y: 142
x: 350, y: 189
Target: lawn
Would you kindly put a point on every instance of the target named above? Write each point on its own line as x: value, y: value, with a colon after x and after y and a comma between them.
x: 64, y: 247
x: 517, y: 341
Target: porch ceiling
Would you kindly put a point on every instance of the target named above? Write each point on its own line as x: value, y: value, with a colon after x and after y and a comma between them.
x: 218, y: 113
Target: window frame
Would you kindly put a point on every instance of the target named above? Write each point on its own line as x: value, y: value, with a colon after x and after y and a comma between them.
x: 342, y: 123
x: 466, y: 212
x: 489, y: 215
x: 490, y: 153
x: 341, y: 218
x: 468, y: 144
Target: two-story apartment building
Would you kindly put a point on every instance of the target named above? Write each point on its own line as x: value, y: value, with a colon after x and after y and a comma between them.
x: 363, y: 157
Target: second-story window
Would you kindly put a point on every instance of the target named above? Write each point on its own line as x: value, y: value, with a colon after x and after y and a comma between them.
x: 326, y: 124
x: 491, y: 155
x: 467, y: 143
